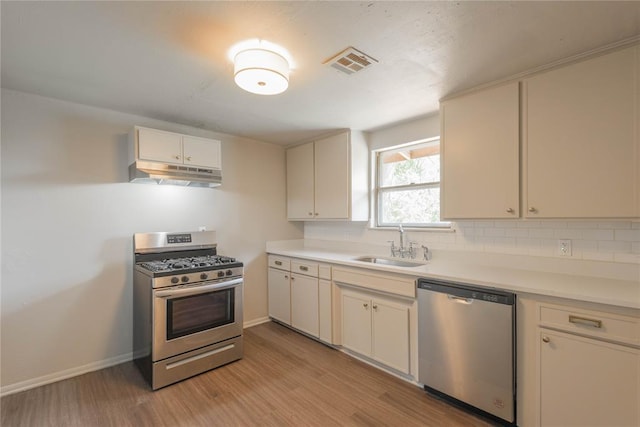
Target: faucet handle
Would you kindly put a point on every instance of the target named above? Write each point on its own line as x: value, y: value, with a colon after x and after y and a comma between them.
x: 427, y: 253
x: 412, y: 249
x: 393, y: 247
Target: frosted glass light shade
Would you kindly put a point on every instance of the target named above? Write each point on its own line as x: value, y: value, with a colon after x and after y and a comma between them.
x: 261, y: 71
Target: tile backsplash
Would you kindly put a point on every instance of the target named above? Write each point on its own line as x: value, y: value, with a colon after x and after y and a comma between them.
x: 613, y: 241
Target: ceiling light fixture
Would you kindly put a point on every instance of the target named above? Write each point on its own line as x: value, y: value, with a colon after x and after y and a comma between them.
x: 261, y: 71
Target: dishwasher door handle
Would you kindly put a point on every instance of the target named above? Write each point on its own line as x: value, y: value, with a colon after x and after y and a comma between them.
x: 460, y: 300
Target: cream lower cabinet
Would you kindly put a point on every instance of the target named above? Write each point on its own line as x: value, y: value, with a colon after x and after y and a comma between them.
x: 279, y: 289
x: 585, y: 382
x: 304, y: 304
x: 324, y: 305
x: 377, y: 328
x: 589, y: 367
x: 300, y: 295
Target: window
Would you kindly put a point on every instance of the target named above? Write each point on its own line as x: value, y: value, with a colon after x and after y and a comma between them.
x: 408, y: 185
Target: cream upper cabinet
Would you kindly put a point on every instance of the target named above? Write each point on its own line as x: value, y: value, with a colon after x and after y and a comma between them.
x: 201, y: 152
x: 331, y: 177
x: 175, y: 148
x: 581, y: 140
x: 159, y: 146
x: 300, y: 182
x: 328, y: 179
x: 480, y: 154
x: 579, y: 129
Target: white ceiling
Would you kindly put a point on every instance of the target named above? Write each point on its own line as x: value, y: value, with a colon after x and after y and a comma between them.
x: 168, y: 60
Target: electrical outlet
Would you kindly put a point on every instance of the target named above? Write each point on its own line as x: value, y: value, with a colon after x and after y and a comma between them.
x: 202, y: 228
x: 564, y: 247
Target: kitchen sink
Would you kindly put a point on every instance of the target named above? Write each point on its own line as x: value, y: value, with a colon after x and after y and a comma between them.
x: 388, y: 261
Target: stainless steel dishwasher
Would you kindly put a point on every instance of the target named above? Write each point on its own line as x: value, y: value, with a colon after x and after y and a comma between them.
x: 466, y: 347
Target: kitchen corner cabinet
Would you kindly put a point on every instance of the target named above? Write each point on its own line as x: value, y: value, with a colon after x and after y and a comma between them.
x: 581, y: 144
x: 376, y: 327
x: 328, y: 179
x: 300, y: 295
x: 174, y: 148
x: 480, y: 154
x: 589, y: 367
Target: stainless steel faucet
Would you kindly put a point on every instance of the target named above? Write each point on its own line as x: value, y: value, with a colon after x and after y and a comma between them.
x: 401, y: 251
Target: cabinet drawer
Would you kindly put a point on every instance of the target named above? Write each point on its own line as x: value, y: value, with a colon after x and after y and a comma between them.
x: 593, y: 323
x: 306, y: 268
x: 281, y: 263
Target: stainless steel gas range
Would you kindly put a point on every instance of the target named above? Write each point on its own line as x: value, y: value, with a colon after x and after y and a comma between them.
x: 187, y: 306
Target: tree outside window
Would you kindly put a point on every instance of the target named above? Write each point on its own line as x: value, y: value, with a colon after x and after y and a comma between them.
x: 408, y: 185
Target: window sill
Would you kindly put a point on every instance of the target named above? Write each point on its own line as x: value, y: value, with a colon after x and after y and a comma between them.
x: 443, y: 229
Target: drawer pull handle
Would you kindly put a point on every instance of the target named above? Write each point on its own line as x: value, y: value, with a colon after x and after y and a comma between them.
x: 278, y: 263
x: 303, y: 268
x: 585, y: 321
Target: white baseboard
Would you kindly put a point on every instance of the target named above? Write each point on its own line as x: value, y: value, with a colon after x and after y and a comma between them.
x: 255, y: 322
x: 95, y: 366
x: 63, y: 375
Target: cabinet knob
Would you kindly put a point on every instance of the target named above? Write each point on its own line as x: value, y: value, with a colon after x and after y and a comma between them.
x: 286, y: 277
x: 310, y: 213
x: 509, y: 210
x: 188, y: 158
x: 375, y: 306
x: 533, y: 210
x: 546, y: 339
x: 177, y: 157
x: 316, y: 214
x: 365, y: 305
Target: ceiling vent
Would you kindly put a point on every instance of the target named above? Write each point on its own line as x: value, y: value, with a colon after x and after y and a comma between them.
x: 350, y: 61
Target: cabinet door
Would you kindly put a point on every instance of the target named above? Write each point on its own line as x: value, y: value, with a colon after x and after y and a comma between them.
x: 356, y: 323
x: 202, y: 152
x: 480, y: 154
x: 279, y: 295
x: 332, y: 177
x: 300, y: 182
x: 304, y: 304
x: 391, y: 334
x: 324, y: 309
x: 156, y: 145
x: 581, y: 139
x: 587, y: 382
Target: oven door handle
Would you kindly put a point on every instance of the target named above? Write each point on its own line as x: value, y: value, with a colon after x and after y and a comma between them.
x: 195, y: 290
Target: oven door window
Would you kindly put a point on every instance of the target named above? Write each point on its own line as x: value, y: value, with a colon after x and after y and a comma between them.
x: 191, y: 314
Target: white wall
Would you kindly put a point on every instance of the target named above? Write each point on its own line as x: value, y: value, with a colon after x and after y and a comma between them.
x: 68, y: 216
x: 612, y: 241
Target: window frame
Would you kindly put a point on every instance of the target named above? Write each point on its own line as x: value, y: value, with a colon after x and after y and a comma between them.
x: 379, y: 190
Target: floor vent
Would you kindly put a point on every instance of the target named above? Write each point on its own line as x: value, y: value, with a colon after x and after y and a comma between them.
x: 350, y: 61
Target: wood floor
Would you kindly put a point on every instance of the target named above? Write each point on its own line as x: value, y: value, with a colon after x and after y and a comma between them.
x: 284, y: 379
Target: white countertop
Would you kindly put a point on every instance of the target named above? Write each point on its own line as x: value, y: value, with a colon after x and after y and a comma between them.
x: 531, y: 275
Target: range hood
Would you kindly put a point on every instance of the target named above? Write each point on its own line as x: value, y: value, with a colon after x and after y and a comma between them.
x: 161, y: 173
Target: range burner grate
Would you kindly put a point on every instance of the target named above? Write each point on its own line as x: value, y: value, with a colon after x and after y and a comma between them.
x: 172, y: 264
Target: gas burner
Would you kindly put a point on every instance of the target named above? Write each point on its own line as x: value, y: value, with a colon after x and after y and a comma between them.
x: 183, y: 264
